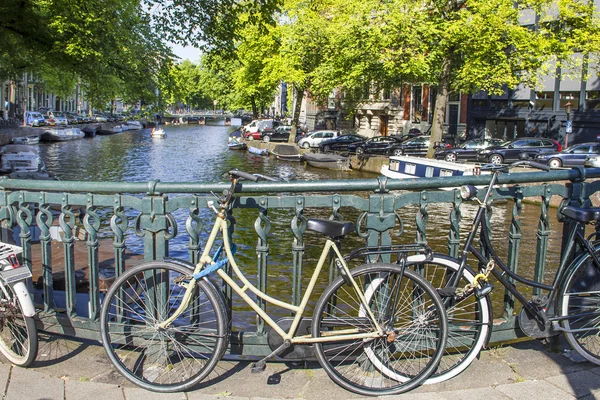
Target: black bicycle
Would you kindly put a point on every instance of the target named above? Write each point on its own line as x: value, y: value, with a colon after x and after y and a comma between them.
x: 570, y: 305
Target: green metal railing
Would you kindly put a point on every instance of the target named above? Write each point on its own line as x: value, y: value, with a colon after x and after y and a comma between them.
x: 118, y: 222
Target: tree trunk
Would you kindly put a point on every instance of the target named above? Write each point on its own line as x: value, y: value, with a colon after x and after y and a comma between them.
x: 254, y: 110
x: 296, y: 114
x: 441, y: 100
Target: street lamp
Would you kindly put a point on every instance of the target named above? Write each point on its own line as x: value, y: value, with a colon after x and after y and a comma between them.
x: 569, y: 124
x: 214, y: 107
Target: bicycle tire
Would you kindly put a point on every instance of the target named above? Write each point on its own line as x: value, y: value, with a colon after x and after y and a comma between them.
x: 18, y: 333
x: 372, y: 366
x: 580, y: 293
x: 169, y: 359
x: 469, y: 319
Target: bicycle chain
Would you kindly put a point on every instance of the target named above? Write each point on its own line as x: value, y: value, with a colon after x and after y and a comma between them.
x: 468, y: 289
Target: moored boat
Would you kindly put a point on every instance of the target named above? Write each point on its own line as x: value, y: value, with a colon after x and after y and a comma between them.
x: 31, y: 139
x: 329, y: 161
x: 20, y: 158
x: 402, y: 167
x: 257, y: 151
x: 109, y: 129
x: 61, y: 135
x: 133, y: 125
x: 90, y: 130
x: 286, y: 153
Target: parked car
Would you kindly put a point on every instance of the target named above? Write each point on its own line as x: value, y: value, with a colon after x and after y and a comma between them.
x: 417, y: 146
x: 340, y: 143
x: 280, y: 134
x: 312, y: 139
x: 467, y: 151
x: 255, y: 128
x: 375, y: 145
x: 592, y: 162
x: 34, y: 118
x: 512, y: 151
x: 99, y: 118
x: 571, y: 157
x: 60, y: 119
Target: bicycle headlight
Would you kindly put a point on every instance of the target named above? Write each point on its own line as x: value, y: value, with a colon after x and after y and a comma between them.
x: 467, y: 192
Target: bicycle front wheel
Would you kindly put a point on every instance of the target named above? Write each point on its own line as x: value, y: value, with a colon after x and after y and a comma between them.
x: 169, y: 359
x: 18, y: 333
x: 412, y: 318
x: 580, y: 308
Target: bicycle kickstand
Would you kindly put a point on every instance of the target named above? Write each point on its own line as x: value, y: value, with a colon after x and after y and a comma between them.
x: 260, y: 366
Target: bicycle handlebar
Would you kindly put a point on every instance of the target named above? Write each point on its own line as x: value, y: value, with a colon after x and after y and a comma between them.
x: 504, y: 167
x: 242, y: 174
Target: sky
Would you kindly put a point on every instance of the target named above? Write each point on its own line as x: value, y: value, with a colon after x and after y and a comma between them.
x: 189, y: 53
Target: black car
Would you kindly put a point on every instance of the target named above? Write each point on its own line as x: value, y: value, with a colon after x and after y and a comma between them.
x: 417, y: 146
x: 375, y: 145
x: 467, y: 151
x: 279, y: 134
x: 512, y: 151
x: 340, y: 143
x: 571, y: 157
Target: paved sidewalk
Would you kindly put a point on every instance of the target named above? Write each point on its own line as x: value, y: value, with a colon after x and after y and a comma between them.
x: 73, y: 370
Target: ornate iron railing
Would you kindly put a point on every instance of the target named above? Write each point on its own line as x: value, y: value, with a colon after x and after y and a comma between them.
x: 106, y: 227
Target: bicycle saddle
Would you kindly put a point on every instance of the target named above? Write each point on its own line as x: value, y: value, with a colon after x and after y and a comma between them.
x: 581, y: 214
x: 330, y: 228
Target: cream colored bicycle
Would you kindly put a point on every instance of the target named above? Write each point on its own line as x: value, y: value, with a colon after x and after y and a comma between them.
x: 377, y: 329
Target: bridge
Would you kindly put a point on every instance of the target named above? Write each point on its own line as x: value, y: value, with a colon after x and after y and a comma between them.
x: 203, y: 119
x: 110, y: 226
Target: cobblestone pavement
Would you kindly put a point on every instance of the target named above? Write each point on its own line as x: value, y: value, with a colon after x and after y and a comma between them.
x: 67, y: 369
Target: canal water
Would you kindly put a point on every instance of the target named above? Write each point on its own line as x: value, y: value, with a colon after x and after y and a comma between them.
x: 200, y: 153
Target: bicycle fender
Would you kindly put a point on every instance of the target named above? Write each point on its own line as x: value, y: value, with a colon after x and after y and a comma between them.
x: 20, y: 290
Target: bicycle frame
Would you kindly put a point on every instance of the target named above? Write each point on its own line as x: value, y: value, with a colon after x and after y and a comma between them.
x: 220, y: 229
x: 479, y: 226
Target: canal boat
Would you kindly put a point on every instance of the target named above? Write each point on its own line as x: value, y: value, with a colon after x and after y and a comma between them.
x: 90, y: 130
x: 329, y: 161
x: 61, y: 135
x: 402, y: 167
x: 20, y: 158
x: 286, y: 153
x: 235, y: 144
x: 257, y: 151
x: 109, y: 129
x: 158, y: 133
x: 133, y: 125
x: 29, y: 140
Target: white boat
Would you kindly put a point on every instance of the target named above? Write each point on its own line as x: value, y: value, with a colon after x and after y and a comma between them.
x: 402, y: 167
x: 328, y: 161
x: 20, y: 158
x: 158, y: 133
x: 109, y: 129
x: 133, y: 125
x: 60, y: 135
x: 32, y: 139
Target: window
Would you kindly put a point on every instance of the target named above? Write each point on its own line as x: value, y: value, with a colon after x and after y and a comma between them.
x: 429, y: 172
x: 581, y: 149
x: 446, y: 172
x: 592, y: 101
x: 544, y: 100
x: 569, y: 97
x: 410, y: 169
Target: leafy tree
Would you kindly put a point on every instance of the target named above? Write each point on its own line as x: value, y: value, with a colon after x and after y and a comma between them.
x: 457, y: 45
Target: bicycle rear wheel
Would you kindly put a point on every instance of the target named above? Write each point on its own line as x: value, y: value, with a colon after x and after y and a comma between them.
x: 411, y: 315
x: 174, y: 358
x: 580, y: 305
x: 469, y: 317
x: 18, y: 333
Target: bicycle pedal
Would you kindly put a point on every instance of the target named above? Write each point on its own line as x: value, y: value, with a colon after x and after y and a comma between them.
x: 258, y: 367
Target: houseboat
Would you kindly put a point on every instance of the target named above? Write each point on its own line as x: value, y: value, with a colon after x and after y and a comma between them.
x: 402, y: 167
